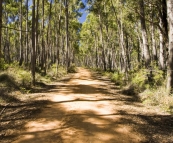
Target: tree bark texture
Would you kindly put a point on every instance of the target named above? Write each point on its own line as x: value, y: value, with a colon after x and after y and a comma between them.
x: 21, y: 39
x: 27, y: 50
x: 170, y: 45
x: 67, y: 34
x: 0, y: 28
x: 33, y: 44
x: 147, y: 58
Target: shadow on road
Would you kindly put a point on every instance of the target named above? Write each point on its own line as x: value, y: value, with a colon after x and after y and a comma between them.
x: 94, y: 110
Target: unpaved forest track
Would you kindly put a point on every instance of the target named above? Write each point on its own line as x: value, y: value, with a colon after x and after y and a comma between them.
x: 90, y: 109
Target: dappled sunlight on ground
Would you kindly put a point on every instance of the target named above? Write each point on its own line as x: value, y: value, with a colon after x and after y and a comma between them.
x: 85, y: 110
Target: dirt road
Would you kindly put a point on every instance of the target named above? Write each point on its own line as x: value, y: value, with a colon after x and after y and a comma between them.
x: 89, y: 109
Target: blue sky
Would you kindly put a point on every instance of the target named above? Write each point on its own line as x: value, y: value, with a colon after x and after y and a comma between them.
x: 84, y: 14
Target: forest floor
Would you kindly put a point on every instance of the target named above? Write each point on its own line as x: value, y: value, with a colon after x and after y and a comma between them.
x: 84, y: 107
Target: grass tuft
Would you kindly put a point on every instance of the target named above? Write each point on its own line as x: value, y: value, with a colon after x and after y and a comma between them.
x: 72, y: 69
x: 158, y: 97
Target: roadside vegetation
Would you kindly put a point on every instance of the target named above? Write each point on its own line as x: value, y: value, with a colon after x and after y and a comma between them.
x: 16, y: 105
x: 150, y: 88
x: 16, y: 80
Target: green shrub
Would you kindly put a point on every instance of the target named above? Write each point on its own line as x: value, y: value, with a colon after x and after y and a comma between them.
x: 3, y: 65
x: 56, y: 72
x: 117, y: 78
x: 158, y: 97
x: 158, y: 78
x: 52, y: 71
x: 139, y: 80
x: 108, y: 74
x: 142, y: 79
x: 24, y: 77
x: 72, y: 69
x: 61, y: 71
x: 8, y: 81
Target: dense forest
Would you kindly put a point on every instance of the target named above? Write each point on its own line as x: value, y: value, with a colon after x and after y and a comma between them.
x: 123, y: 36
x: 107, y: 78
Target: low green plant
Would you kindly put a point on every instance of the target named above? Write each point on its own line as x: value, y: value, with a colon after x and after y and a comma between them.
x: 117, y: 78
x: 61, y: 71
x: 108, y: 74
x: 52, y: 71
x: 158, y: 77
x: 3, y: 65
x: 139, y: 80
x: 24, y: 77
x: 158, y: 97
x: 72, y: 69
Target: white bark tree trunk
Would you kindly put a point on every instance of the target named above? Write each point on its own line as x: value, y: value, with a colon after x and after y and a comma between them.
x: 170, y: 46
x: 0, y: 26
x: 161, y: 51
x: 147, y: 57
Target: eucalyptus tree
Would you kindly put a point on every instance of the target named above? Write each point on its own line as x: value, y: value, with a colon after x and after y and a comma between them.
x: 170, y: 61
x: 43, y: 53
x: 33, y: 58
x: 0, y: 27
x: 10, y: 23
x: 26, y: 35
x: 21, y: 39
x: 146, y: 52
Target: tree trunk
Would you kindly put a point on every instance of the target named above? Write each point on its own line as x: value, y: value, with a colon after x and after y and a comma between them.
x: 147, y: 58
x: 154, y: 50
x: 96, y: 50
x: 21, y: 39
x: 0, y: 27
x: 36, y: 29
x: 27, y: 50
x: 33, y: 44
x: 124, y: 56
x: 170, y: 45
x: 43, y: 56
x: 162, y: 51
x: 67, y: 34
x: 102, y: 43
x: 164, y: 20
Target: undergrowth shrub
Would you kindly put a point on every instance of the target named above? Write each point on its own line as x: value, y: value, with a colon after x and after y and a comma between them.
x: 118, y: 78
x: 51, y: 72
x: 72, y: 69
x: 108, y: 74
x: 138, y: 82
x: 8, y: 81
x: 149, y: 87
x: 3, y: 65
x: 56, y: 72
x: 24, y: 77
x: 61, y: 71
x: 15, y: 78
x: 158, y: 97
x: 142, y: 79
x: 158, y: 78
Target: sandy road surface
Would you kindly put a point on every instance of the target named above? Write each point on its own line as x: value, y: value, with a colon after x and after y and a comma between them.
x: 88, y: 109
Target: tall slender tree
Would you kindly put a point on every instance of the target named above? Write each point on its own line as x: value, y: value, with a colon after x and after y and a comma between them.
x: 67, y: 32
x: 27, y: 47
x: 170, y: 61
x: 21, y: 39
x: 1, y: 1
x: 146, y: 53
x: 33, y: 62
